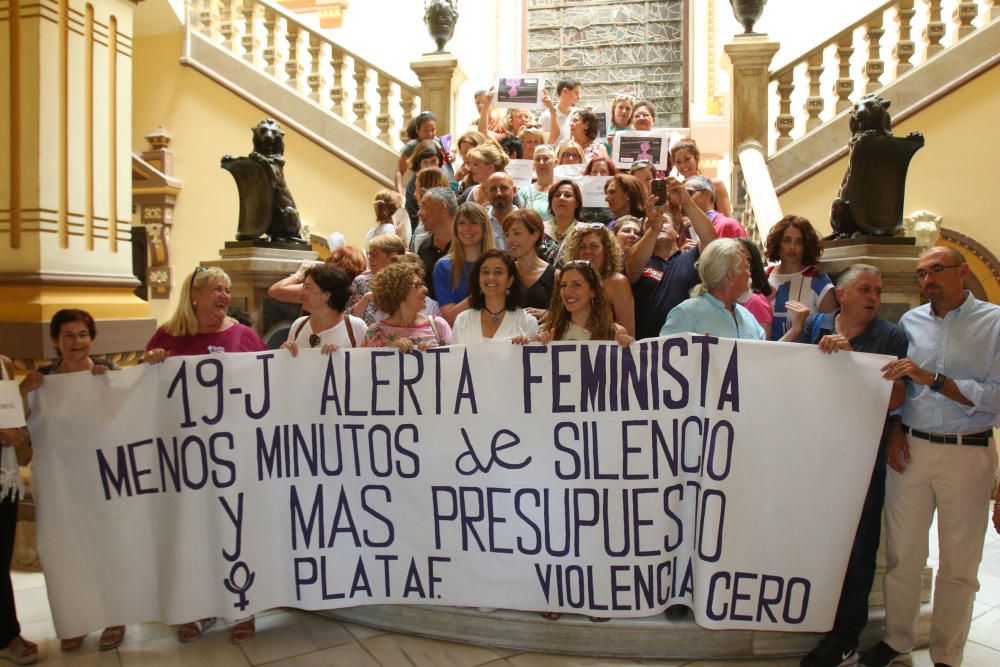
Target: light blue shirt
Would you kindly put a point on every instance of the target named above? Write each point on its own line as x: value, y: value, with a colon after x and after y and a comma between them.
x: 707, y: 314
x: 964, y: 345
x: 499, y: 240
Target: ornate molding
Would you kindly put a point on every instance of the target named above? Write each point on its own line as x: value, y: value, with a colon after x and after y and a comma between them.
x: 154, y: 193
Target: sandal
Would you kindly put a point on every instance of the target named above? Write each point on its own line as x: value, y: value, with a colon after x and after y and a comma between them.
x: 20, y: 651
x: 599, y: 619
x: 72, y: 644
x: 243, y: 631
x: 550, y: 615
x: 188, y: 632
x: 112, y: 637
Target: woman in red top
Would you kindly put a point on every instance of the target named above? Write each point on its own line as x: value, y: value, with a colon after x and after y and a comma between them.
x: 201, y: 325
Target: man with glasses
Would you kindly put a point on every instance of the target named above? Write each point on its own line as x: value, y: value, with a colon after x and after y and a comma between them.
x: 942, y: 457
x: 703, y: 194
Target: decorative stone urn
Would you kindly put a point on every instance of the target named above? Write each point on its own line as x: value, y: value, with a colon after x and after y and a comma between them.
x: 440, y: 17
x: 748, y: 12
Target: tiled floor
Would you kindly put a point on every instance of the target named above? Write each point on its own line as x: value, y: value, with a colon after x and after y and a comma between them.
x: 290, y: 638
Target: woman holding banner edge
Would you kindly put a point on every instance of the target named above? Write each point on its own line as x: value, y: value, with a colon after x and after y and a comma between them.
x: 73, y: 332
x: 201, y: 325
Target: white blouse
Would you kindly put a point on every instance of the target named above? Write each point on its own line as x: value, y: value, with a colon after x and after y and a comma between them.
x: 468, y: 327
x: 301, y: 330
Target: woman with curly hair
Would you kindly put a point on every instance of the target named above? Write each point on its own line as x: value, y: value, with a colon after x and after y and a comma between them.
x: 399, y: 290
x: 580, y: 311
x: 495, y: 300
x: 799, y: 286
x: 595, y: 243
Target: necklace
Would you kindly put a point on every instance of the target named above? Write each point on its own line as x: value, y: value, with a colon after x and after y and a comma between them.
x: 497, y: 316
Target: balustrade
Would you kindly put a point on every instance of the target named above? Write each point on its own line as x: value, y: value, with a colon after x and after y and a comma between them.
x: 274, y: 41
x: 869, y: 36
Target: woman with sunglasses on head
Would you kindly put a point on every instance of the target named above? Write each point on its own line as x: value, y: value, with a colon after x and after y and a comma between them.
x: 595, y: 243
x: 200, y: 325
x: 325, y: 292
x: 644, y: 172
x: 73, y: 332
x: 495, y: 300
x: 580, y: 311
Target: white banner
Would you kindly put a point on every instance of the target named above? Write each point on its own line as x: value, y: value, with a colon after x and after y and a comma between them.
x: 11, y: 407
x: 575, y: 477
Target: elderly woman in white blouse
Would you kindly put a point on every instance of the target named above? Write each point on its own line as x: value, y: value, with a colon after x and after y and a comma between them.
x: 495, y: 299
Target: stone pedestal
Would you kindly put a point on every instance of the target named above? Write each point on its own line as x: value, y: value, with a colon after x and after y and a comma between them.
x: 750, y: 56
x: 895, y: 257
x: 253, y: 268
x: 440, y: 78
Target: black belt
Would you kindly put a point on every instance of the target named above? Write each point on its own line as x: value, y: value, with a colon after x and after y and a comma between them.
x: 981, y: 439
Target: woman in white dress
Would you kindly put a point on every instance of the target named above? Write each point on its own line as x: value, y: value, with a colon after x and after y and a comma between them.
x: 325, y: 291
x: 496, y: 295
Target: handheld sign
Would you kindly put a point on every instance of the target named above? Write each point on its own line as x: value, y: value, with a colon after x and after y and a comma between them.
x: 11, y: 408
x: 519, y: 91
x: 521, y: 172
x: 603, y: 122
x: 652, y: 146
x: 592, y: 188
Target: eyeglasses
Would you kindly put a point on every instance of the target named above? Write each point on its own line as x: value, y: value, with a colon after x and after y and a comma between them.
x: 934, y: 270
x: 693, y: 191
x: 640, y: 164
x: 590, y: 225
x: 197, y: 270
x: 578, y: 264
x: 564, y: 195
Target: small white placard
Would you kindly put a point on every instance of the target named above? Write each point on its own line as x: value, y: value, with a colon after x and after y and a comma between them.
x: 11, y: 408
x: 521, y: 172
x: 652, y: 146
x: 592, y: 188
x: 519, y: 91
x: 573, y: 172
x: 603, y: 122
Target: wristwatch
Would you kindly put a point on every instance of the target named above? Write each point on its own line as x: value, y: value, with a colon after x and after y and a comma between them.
x: 938, y: 382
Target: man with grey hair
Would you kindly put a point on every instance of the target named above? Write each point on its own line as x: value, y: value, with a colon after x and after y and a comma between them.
x: 437, y: 213
x: 703, y: 194
x: 855, y: 327
x: 942, y: 458
x: 725, y: 272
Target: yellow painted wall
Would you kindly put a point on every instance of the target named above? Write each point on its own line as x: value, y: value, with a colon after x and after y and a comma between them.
x: 955, y: 174
x: 206, y: 122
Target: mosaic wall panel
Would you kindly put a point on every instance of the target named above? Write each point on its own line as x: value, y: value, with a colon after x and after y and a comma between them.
x: 611, y: 47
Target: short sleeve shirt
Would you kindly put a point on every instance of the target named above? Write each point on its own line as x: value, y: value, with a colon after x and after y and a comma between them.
x: 664, y: 283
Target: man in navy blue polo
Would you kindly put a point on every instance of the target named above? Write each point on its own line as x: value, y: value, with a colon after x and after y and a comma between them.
x: 857, y: 327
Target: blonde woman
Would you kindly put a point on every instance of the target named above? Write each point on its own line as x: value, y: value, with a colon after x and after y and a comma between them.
x: 472, y: 235
x: 594, y: 242
x: 483, y: 161
x: 466, y: 142
x: 201, y: 325
x: 531, y: 138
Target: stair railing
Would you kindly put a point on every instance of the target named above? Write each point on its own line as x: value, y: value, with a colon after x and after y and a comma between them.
x: 279, y: 44
x: 832, y: 60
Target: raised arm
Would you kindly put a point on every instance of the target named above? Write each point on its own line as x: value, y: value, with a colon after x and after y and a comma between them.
x: 553, y: 118
x: 638, y: 256
x: 703, y: 227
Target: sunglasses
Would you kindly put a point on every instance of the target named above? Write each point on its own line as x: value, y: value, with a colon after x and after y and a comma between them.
x: 197, y: 270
